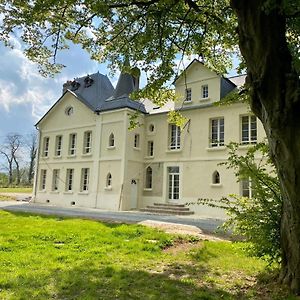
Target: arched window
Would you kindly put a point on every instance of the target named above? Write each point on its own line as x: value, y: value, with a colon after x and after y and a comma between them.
x: 108, y: 180
x: 216, y: 178
x: 111, y: 140
x: 148, y: 182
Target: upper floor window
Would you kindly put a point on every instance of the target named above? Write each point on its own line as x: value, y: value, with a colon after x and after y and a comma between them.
x: 136, y: 141
x: 55, y: 180
x: 217, y: 132
x: 249, y: 130
x: 70, y: 179
x: 150, y: 149
x: 188, y: 95
x: 72, y: 144
x: 85, y: 174
x: 58, y: 145
x: 108, y: 180
x: 111, y: 140
x: 204, y: 91
x: 87, y: 142
x: 148, y: 181
x: 46, y: 146
x: 174, y: 137
x: 151, y: 128
x: 43, y: 180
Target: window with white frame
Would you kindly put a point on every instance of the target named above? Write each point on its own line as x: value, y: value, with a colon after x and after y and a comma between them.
x: 204, y: 91
x: 55, y: 179
x: 58, y: 145
x: 136, y: 143
x: 216, y: 177
x: 69, y: 180
x: 85, y: 174
x: 87, y: 142
x: 150, y: 150
x: 217, y: 132
x: 46, y: 146
x: 249, y: 130
x: 174, y: 137
x: 111, y: 140
x: 148, y: 180
x: 72, y: 144
x: 247, y: 188
x: 108, y: 180
x: 188, y: 95
x: 173, y: 182
x: 43, y: 179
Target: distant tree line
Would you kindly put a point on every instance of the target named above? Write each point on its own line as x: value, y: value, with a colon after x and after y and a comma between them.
x: 17, y: 159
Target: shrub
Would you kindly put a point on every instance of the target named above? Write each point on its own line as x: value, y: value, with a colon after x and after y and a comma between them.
x: 257, y: 219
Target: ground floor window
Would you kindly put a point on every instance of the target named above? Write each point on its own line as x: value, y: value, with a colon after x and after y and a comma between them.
x: 85, y: 174
x: 247, y: 188
x: 43, y: 179
x: 148, y: 181
x: 55, y: 179
x: 69, y: 179
x: 173, y: 183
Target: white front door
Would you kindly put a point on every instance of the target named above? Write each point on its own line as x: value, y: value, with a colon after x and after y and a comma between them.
x: 173, y: 184
x: 134, y: 194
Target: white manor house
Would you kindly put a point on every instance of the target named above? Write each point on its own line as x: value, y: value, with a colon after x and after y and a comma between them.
x: 87, y: 157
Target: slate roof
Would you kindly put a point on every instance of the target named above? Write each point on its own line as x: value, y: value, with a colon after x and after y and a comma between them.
x: 91, y: 89
x: 120, y: 98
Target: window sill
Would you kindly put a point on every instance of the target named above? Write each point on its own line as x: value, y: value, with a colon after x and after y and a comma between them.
x: 137, y: 148
x: 86, y: 154
x: 149, y: 157
x: 71, y: 156
x: 246, y: 146
x: 68, y: 192
x: 216, y: 185
x: 174, y: 150
x: 83, y: 193
x: 147, y: 190
x: 188, y: 102
x: 42, y: 191
x: 218, y: 148
x: 204, y: 99
x: 54, y: 192
x: 57, y: 157
x: 108, y: 188
x: 111, y: 147
x: 45, y: 157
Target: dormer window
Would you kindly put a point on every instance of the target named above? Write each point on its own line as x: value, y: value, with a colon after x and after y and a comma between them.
x: 204, y: 91
x: 88, y: 81
x: 188, y: 95
x: 75, y: 85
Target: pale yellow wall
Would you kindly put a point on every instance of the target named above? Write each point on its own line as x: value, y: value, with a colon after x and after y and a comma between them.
x: 196, y: 76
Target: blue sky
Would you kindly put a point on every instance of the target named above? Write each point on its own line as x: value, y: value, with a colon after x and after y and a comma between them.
x: 25, y: 96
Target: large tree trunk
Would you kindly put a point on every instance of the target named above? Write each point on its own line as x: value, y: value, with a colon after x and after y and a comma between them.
x: 275, y: 99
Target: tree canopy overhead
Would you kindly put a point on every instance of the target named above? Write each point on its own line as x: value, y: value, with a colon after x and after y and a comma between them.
x: 154, y: 33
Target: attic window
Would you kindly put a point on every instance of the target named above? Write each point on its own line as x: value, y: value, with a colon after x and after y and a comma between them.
x: 156, y: 107
x: 88, y: 81
x: 69, y: 111
x: 75, y: 85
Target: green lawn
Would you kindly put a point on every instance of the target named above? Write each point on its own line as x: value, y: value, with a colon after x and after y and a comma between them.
x: 54, y: 258
x: 23, y: 190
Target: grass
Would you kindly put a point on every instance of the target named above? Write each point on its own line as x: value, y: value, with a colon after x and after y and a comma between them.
x: 22, y: 190
x: 6, y: 198
x: 55, y: 258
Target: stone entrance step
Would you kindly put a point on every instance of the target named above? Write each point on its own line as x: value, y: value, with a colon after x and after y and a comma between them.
x: 168, y: 209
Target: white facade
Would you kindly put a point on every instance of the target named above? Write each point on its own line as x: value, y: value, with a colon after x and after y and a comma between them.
x: 89, y: 158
